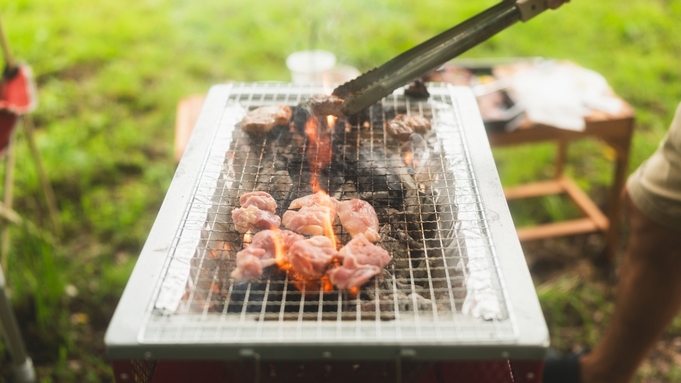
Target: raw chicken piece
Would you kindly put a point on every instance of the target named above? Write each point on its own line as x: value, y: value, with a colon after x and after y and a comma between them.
x: 252, y: 218
x: 352, y: 274
x: 309, y: 220
x: 365, y: 252
x: 263, y: 119
x: 250, y: 262
x: 309, y: 258
x: 259, y: 199
x: 318, y: 199
x: 261, y: 252
x: 358, y: 216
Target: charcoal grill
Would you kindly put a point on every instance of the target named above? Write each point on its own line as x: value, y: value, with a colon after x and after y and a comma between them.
x: 459, y: 291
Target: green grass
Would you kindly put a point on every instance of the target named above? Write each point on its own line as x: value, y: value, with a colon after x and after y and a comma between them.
x: 111, y: 72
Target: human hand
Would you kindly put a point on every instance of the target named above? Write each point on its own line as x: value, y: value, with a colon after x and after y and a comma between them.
x: 553, y: 4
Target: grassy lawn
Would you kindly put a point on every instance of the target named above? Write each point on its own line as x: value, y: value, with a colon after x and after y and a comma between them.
x: 110, y: 74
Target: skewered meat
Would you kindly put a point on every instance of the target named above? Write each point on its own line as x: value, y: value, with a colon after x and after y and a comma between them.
x: 309, y: 220
x: 252, y: 218
x: 402, y: 126
x: 262, y: 252
x: 263, y: 119
x: 318, y: 199
x: 359, y: 217
x: 365, y: 252
x: 259, y: 199
x: 309, y: 258
x: 352, y: 274
x: 325, y: 105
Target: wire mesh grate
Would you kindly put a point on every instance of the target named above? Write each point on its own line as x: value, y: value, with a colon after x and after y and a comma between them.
x: 442, y: 285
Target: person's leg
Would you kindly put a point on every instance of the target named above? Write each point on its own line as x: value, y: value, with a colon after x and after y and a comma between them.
x: 648, y: 298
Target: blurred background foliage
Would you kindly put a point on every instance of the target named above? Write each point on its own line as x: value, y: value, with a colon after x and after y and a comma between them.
x: 109, y: 76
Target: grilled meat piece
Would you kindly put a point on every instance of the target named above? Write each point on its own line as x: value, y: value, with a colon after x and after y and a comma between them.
x: 309, y: 220
x: 365, y: 252
x: 402, y: 126
x: 309, y: 258
x: 398, y: 128
x: 263, y: 119
x: 259, y: 199
x: 352, y: 274
x: 322, y: 104
x: 359, y: 217
x: 252, y: 218
x: 419, y: 123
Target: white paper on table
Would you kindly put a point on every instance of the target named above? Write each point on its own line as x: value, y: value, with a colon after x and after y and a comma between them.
x: 561, y: 95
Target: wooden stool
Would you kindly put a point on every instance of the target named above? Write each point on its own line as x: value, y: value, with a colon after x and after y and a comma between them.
x: 615, y: 131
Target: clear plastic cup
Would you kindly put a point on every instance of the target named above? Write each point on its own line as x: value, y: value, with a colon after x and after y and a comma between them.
x: 311, y: 67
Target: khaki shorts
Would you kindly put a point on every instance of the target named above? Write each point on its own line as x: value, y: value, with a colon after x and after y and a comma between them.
x: 655, y: 187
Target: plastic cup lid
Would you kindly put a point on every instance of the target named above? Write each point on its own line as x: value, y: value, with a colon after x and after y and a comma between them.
x: 310, y: 61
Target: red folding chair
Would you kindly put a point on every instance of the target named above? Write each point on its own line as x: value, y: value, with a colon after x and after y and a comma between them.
x: 17, y: 100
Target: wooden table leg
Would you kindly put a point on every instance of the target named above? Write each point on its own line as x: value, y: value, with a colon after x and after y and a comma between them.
x: 561, y: 154
x: 621, y: 147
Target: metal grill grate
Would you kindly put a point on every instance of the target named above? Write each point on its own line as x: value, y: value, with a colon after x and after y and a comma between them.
x: 443, y: 285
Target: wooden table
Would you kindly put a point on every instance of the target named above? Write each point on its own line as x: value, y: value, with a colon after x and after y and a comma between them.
x: 615, y: 131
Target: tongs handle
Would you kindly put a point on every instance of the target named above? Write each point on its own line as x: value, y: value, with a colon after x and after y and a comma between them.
x: 370, y: 87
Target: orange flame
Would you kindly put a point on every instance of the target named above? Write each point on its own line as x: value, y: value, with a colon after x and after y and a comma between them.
x: 353, y: 291
x: 279, y: 253
x: 408, y: 158
x: 328, y: 230
x: 318, y: 150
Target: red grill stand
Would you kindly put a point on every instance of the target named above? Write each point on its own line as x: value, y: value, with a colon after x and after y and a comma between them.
x: 168, y: 371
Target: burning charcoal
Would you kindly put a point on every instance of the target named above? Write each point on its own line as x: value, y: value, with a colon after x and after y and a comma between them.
x: 396, y: 240
x: 325, y: 105
x: 359, y: 218
x: 417, y: 89
x: 263, y: 119
x: 382, y: 178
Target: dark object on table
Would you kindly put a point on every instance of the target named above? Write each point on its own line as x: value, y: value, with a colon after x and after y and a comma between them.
x: 499, y: 111
x: 417, y: 89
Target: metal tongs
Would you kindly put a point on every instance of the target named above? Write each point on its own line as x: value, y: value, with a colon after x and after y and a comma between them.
x: 377, y: 83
